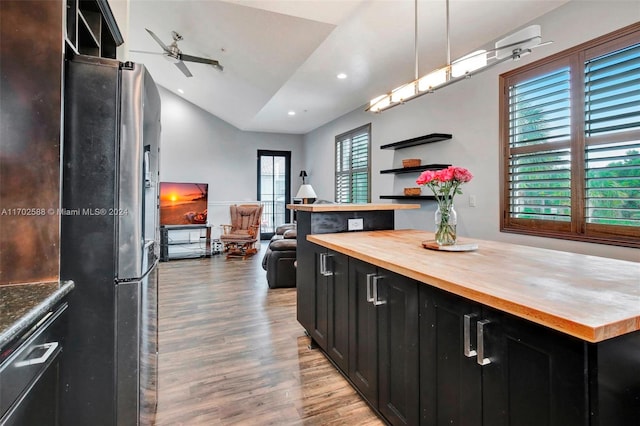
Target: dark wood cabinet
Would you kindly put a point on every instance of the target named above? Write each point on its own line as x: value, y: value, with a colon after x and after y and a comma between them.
x: 337, y: 271
x: 308, y: 268
x: 363, y: 331
x: 396, y: 298
x: 535, y: 376
x: 30, y: 371
x: 320, y: 319
x: 450, y: 378
x: 383, y: 334
x: 330, y: 310
x: 91, y: 28
x: 531, y: 375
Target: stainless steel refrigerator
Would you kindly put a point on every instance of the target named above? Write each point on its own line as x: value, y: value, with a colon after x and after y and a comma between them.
x: 110, y: 242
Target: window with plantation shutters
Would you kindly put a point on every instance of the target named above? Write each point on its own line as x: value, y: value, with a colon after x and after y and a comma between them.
x: 570, y: 136
x: 352, y: 166
x: 540, y: 147
x: 612, y: 122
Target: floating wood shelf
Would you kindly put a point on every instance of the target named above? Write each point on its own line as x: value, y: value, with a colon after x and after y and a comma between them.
x: 420, y: 140
x: 416, y: 168
x: 407, y: 197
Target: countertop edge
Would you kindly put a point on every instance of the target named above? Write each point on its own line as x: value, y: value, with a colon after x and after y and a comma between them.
x: 314, y: 208
x: 32, y: 316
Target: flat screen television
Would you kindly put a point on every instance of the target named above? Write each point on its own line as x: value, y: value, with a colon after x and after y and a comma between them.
x: 183, y: 203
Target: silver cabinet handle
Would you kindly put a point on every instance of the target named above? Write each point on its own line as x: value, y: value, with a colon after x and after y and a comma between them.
x: 50, y: 349
x: 369, y: 290
x: 322, y: 264
x: 324, y: 270
x: 468, y: 352
x: 376, y: 301
x: 481, y: 358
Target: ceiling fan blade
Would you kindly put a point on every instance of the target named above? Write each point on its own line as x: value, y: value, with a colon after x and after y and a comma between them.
x: 199, y: 60
x: 146, y: 51
x: 157, y: 39
x: 182, y: 67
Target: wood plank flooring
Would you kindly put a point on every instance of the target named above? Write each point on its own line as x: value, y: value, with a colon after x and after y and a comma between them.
x: 232, y: 352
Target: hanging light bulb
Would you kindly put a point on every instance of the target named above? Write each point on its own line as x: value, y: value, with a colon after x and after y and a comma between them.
x: 469, y: 63
x: 400, y: 94
x: 432, y: 80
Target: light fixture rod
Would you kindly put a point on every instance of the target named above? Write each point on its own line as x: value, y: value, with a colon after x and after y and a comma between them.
x: 448, y: 36
x: 415, y: 36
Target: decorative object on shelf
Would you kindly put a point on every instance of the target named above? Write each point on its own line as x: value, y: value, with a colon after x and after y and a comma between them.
x: 411, y: 162
x: 445, y: 184
x: 512, y: 47
x: 412, y: 191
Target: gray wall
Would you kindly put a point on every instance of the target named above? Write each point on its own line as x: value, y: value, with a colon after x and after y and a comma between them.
x: 469, y: 111
x: 199, y: 147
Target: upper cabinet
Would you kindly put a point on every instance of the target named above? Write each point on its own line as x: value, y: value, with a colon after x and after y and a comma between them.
x: 91, y: 28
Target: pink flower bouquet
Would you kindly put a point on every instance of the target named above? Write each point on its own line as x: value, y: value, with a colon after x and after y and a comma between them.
x: 445, y: 184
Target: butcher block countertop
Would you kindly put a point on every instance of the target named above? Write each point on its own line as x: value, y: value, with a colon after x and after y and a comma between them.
x: 350, y: 207
x: 592, y: 298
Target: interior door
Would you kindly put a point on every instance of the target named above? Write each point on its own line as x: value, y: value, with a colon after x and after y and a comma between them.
x: 274, y: 189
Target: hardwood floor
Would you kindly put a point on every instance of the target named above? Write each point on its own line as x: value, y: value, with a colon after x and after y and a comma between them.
x: 232, y: 352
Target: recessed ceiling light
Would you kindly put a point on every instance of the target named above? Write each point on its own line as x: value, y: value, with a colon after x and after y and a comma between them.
x: 342, y: 76
x: 181, y: 91
x: 291, y: 113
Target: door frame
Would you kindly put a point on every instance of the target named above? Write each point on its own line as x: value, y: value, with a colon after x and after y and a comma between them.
x: 272, y: 153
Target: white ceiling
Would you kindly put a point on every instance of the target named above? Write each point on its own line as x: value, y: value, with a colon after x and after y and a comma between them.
x: 284, y: 55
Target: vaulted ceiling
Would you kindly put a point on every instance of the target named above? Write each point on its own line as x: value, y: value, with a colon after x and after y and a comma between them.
x: 285, y: 55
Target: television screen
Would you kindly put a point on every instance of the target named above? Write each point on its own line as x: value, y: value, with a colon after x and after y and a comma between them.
x: 183, y: 203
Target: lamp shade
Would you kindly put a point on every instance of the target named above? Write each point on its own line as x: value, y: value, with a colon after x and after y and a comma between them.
x: 306, y: 191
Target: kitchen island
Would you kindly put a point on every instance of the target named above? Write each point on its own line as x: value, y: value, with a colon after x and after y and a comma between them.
x: 502, y: 335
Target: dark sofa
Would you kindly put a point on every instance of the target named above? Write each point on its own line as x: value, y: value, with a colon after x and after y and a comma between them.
x: 280, y: 256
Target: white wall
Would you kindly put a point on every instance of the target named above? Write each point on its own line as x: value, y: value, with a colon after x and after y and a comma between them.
x: 469, y: 111
x: 199, y: 147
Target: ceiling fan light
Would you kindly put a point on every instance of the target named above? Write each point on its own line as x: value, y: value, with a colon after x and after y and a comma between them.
x: 432, y: 80
x: 469, y: 63
x: 524, y: 39
x: 403, y: 92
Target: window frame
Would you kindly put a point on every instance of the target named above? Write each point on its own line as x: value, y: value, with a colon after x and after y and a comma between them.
x: 577, y: 228
x: 338, y: 140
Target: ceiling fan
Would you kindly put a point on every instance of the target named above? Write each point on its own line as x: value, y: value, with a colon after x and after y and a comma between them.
x: 173, y: 53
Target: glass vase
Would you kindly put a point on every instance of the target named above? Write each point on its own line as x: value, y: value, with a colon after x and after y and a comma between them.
x: 446, y: 220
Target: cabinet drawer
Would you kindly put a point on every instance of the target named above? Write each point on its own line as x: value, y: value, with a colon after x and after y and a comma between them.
x: 29, y: 362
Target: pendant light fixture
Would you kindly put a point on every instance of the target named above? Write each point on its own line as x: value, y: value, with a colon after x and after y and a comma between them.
x: 511, y: 47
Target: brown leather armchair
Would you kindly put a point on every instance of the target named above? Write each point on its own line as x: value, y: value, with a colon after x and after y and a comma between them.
x: 240, y: 237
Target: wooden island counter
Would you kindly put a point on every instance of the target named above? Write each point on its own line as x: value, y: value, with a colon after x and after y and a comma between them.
x: 502, y: 335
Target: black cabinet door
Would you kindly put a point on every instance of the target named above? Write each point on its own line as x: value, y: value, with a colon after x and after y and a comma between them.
x: 396, y: 299
x: 363, y: 333
x: 305, y: 277
x: 320, y: 319
x: 535, y: 376
x: 450, y: 380
x: 338, y: 310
